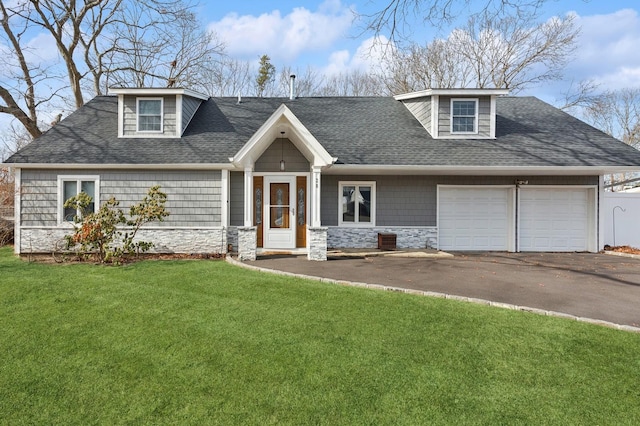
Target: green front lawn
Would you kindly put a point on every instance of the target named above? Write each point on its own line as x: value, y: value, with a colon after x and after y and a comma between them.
x: 203, y: 342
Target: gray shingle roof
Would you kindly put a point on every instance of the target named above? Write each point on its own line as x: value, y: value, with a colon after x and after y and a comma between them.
x: 356, y: 130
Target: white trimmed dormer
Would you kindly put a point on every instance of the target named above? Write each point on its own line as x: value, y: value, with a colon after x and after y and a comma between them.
x: 155, y: 112
x: 455, y: 113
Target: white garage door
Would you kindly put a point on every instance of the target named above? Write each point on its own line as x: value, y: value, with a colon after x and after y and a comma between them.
x: 475, y: 218
x: 554, y: 219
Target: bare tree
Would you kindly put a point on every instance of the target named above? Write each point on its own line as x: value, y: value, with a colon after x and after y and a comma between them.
x: 159, y: 52
x: 20, y: 78
x: 13, y: 138
x: 578, y: 96
x: 99, y: 42
x: 488, y: 52
x: 353, y: 83
x: 617, y: 113
x: 308, y: 82
x: 228, y: 77
x: 395, y: 16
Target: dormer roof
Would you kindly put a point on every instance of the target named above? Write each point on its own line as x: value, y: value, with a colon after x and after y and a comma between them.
x: 156, y: 91
x: 452, y: 92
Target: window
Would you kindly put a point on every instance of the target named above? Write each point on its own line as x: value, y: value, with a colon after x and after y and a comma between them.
x: 464, y: 116
x: 149, y: 115
x: 70, y: 186
x: 357, y: 203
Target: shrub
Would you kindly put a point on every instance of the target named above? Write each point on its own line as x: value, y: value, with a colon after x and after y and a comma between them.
x: 7, y: 192
x: 108, y: 234
x: 6, y: 232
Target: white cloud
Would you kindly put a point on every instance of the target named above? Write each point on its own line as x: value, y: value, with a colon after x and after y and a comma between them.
x: 339, y: 61
x: 622, y: 77
x: 608, y: 50
x: 283, y: 38
x: 39, y: 51
x: 368, y: 56
x: 41, y: 48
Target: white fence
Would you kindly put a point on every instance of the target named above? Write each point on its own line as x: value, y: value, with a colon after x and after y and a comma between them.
x: 621, y: 218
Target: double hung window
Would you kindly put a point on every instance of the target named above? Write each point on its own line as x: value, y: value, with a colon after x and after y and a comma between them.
x: 70, y: 186
x: 150, y: 114
x: 464, y: 116
x: 357, y: 203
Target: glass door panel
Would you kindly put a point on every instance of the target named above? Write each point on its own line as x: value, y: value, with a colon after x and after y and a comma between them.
x: 279, y: 208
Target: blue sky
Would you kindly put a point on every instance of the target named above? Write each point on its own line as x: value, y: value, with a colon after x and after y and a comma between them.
x: 327, y: 36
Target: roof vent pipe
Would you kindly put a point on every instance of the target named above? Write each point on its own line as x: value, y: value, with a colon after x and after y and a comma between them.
x: 292, y: 87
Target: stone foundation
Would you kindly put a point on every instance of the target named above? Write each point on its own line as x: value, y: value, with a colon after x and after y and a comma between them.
x: 42, y: 240
x: 407, y: 238
x: 317, y: 243
x: 247, y: 240
x: 196, y: 241
x: 232, y: 239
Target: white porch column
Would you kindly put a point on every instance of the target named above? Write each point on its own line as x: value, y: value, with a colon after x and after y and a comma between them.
x: 315, y: 196
x: 248, y: 196
x: 224, y: 199
x: 17, y: 241
x: 247, y: 236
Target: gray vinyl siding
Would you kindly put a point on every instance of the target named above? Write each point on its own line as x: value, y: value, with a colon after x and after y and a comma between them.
x: 236, y: 199
x: 400, y: 200
x: 421, y: 110
x: 411, y: 200
x: 193, y: 197
x: 39, y: 196
x: 270, y: 159
x: 484, y: 116
x: 189, y: 107
x: 130, y: 127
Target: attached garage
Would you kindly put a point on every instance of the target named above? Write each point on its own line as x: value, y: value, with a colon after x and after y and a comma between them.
x: 476, y: 218
x: 556, y: 219
x: 503, y: 218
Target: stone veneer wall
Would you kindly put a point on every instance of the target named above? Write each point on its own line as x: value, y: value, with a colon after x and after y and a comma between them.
x: 232, y: 238
x: 207, y: 240
x: 317, y: 243
x: 247, y: 239
x: 42, y: 240
x: 185, y: 240
x: 407, y: 237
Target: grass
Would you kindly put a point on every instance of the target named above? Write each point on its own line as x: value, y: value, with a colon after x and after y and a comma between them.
x: 203, y: 342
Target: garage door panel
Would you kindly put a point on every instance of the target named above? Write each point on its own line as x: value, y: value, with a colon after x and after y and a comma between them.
x: 554, y: 219
x: 474, y: 218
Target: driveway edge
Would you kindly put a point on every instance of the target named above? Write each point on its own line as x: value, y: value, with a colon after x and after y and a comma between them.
x: 502, y: 305
x: 622, y: 254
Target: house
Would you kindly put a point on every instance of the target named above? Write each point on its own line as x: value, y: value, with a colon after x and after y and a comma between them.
x: 453, y: 169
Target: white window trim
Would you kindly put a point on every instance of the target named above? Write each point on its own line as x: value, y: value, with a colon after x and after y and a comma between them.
x: 475, y: 120
x: 371, y: 224
x: 161, y: 114
x: 78, y: 179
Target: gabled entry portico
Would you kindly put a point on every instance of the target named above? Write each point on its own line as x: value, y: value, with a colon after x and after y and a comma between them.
x: 282, y: 195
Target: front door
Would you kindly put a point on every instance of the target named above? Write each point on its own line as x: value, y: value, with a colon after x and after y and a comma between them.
x: 280, y: 210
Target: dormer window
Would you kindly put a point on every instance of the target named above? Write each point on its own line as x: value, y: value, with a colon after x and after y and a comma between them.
x: 464, y: 116
x: 150, y: 114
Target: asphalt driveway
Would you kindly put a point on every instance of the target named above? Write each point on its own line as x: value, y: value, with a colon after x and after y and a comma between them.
x: 596, y: 286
